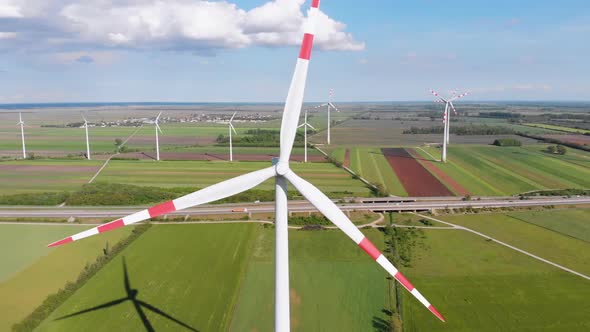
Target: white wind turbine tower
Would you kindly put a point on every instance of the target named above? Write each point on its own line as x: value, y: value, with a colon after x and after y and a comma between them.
x: 282, y: 173
x: 330, y: 106
x: 22, y: 134
x: 305, y: 124
x: 157, y: 127
x: 447, y: 118
x: 87, y: 140
x: 231, y: 128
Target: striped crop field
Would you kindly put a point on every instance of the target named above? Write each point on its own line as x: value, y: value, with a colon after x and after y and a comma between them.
x: 490, y: 170
x: 372, y: 165
x: 200, y: 174
x: 28, y: 176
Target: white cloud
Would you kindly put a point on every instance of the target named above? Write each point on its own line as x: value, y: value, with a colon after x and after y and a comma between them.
x: 182, y: 24
x: 7, y: 35
x: 9, y: 8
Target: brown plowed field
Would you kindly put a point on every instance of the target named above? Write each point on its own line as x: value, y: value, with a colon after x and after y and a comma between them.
x: 417, y: 181
x: 430, y: 166
x: 215, y: 156
x: 577, y: 139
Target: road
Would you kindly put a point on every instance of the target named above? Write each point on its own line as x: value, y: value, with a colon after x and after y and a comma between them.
x: 376, y: 205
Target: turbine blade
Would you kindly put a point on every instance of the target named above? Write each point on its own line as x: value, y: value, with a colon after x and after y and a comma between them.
x: 163, y: 314
x: 233, y: 128
x: 338, y: 218
x: 301, y: 125
x: 297, y: 89
x: 83, y: 117
x: 158, y: 117
x: 232, y: 117
x: 310, y: 126
x: 437, y: 95
x: 98, y: 307
x: 459, y: 96
x: 213, y: 193
x: 334, y: 107
x: 158, y: 127
x: 453, y: 107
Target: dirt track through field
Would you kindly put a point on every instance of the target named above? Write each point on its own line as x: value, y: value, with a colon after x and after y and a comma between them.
x: 449, y: 181
x: 215, y: 156
x: 417, y: 181
x: 347, y: 158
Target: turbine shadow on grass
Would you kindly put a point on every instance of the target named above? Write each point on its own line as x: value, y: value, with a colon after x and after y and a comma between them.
x: 137, y: 303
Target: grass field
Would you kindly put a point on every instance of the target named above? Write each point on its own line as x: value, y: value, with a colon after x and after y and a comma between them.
x: 570, y: 222
x: 489, y: 170
x: 481, y: 286
x: 199, y: 174
x: 45, y: 175
x: 334, y: 285
x: 239, y: 150
x: 559, y: 248
x: 558, y: 128
x: 32, y: 271
x: 372, y: 165
x: 190, y: 272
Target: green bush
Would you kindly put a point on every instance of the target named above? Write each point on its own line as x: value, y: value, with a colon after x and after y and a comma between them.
x: 507, y: 142
x: 51, y: 198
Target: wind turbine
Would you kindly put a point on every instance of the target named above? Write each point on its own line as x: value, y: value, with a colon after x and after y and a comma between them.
x: 305, y: 124
x: 282, y: 173
x: 231, y: 128
x: 22, y: 133
x: 87, y: 140
x: 447, y: 118
x: 157, y: 137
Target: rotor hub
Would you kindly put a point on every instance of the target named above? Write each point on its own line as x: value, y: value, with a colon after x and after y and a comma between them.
x: 282, y: 168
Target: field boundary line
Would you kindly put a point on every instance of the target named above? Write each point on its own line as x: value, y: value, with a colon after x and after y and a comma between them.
x: 108, y: 160
x: 428, y: 153
x: 100, y: 170
x: 350, y: 171
x: 509, y: 246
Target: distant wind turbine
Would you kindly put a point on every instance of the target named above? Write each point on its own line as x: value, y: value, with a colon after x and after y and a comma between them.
x: 330, y: 106
x: 87, y: 140
x: 231, y: 128
x: 157, y: 137
x: 306, y: 124
x: 447, y: 118
x: 22, y: 134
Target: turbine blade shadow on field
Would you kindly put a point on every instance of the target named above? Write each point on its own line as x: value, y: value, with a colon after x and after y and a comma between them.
x: 139, y: 306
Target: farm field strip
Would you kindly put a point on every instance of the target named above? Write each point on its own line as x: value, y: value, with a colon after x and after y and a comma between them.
x: 459, y: 271
x: 36, y: 271
x: 570, y: 222
x: 416, y: 179
x: 45, y: 175
x: 557, y: 128
x: 202, y: 173
x: 323, y: 266
x: 473, y: 183
x: 550, y: 247
x: 165, y: 278
x: 372, y: 165
x: 444, y: 178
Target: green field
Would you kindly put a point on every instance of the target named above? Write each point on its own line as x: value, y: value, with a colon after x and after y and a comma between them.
x: 481, y: 286
x: 199, y: 174
x: 372, y: 165
x: 490, y: 170
x: 334, y: 285
x: 32, y: 271
x: 559, y: 248
x: 45, y: 175
x: 224, y: 150
x: 570, y: 222
x: 191, y: 273
x: 558, y: 128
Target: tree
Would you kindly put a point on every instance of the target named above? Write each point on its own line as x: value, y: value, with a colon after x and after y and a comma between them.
x: 118, y: 142
x: 561, y: 149
x: 551, y: 149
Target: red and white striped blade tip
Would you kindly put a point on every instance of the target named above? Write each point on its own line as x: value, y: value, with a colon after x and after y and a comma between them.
x: 60, y: 242
x: 436, y: 313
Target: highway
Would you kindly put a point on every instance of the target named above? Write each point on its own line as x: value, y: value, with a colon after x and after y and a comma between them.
x: 373, y: 204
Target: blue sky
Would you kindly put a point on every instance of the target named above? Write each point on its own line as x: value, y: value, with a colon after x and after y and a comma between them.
x: 387, y: 50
